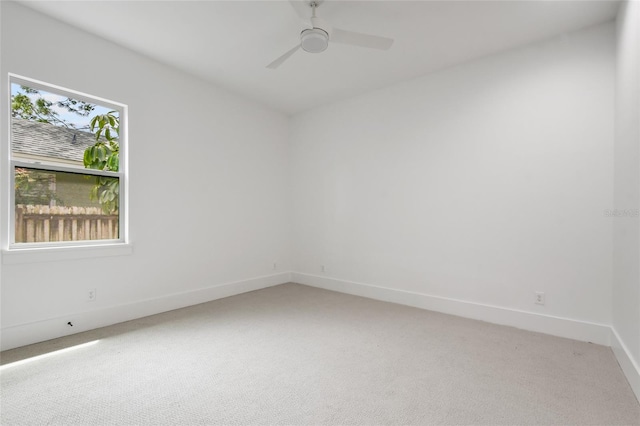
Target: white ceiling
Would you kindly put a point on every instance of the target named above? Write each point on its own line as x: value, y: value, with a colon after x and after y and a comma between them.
x: 230, y: 42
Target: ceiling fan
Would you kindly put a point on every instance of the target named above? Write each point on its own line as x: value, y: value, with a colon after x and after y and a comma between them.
x: 316, y: 39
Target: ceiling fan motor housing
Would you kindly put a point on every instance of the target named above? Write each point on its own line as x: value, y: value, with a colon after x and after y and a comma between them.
x: 314, y: 40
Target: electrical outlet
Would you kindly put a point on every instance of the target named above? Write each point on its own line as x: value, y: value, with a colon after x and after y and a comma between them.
x: 539, y: 298
x: 323, y: 269
x: 91, y: 295
x: 275, y: 266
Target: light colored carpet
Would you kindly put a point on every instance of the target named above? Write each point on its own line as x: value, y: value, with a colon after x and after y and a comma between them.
x: 293, y: 354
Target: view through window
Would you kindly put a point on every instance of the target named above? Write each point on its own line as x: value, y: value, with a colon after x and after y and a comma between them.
x: 65, y: 157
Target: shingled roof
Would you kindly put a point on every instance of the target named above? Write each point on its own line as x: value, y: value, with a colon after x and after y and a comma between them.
x: 47, y: 140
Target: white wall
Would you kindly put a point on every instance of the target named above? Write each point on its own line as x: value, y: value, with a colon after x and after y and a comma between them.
x: 626, y: 232
x: 208, y: 187
x: 482, y: 183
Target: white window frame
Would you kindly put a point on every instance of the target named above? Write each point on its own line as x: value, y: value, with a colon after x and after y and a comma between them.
x: 64, y: 249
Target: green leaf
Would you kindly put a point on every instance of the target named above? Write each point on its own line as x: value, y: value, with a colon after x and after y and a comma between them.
x: 112, y: 163
x: 92, y: 123
x: 102, y: 152
x: 87, y: 159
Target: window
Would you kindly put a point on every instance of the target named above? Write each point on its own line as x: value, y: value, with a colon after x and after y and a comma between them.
x: 67, y: 163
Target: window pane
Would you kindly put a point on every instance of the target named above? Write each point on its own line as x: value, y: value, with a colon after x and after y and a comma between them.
x: 53, y: 128
x: 62, y: 206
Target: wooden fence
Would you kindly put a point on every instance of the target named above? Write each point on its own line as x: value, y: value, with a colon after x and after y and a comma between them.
x: 45, y: 223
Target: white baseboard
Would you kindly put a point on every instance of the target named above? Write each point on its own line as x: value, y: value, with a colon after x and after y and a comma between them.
x: 26, y: 334
x: 556, y: 326
x: 630, y: 367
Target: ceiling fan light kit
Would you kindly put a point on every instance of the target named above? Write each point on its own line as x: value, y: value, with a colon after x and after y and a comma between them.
x: 314, y: 40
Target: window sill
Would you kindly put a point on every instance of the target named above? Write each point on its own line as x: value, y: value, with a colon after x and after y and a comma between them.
x: 52, y: 254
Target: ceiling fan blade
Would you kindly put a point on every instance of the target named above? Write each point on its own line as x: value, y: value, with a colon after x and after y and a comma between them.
x: 359, y: 39
x: 275, y: 64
